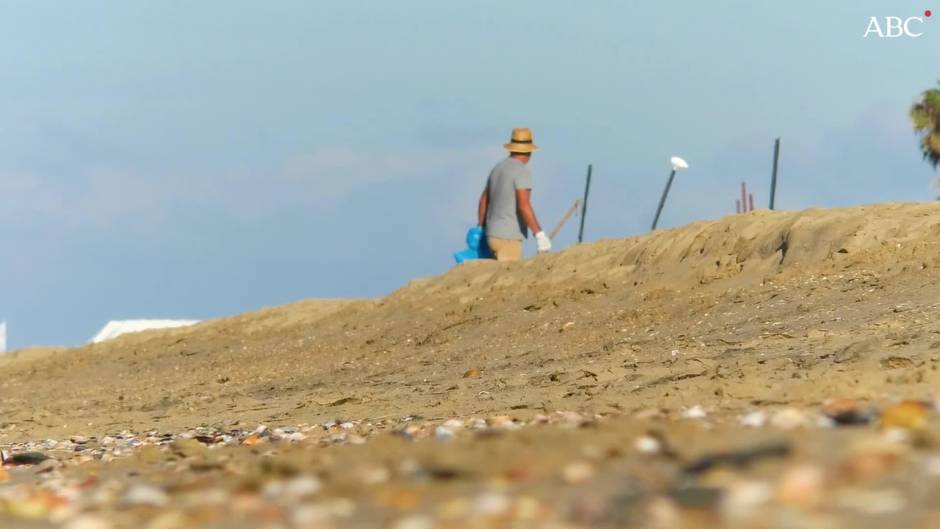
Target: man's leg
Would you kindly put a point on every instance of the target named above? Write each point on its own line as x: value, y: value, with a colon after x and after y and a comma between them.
x: 505, y: 249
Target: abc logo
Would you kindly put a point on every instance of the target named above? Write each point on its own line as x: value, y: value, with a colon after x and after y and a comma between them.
x: 895, y: 27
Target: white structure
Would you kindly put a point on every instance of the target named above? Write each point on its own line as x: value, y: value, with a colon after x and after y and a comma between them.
x: 3, y: 336
x: 678, y: 163
x: 116, y: 328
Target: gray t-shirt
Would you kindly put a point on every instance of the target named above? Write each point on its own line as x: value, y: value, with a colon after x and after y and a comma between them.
x: 503, y: 219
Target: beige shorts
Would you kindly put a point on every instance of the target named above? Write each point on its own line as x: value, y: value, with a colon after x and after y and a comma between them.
x: 505, y: 249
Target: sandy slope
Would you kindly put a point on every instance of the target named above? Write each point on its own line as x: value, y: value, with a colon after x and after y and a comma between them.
x: 764, y: 308
x: 618, y: 339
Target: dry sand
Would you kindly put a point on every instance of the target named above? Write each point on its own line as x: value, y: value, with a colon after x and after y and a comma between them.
x: 763, y: 311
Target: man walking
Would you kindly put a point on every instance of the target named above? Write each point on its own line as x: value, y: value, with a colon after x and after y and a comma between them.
x: 505, y: 208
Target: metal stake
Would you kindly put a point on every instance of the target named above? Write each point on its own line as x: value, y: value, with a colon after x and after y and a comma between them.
x: 773, y: 177
x: 584, y: 205
x: 662, y: 200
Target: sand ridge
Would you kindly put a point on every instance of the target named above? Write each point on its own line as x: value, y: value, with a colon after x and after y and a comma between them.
x: 748, y: 308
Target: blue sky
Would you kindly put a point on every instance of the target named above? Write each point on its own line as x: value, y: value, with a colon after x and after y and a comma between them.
x: 197, y: 159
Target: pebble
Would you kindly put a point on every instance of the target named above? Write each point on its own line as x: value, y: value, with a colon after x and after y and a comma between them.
x: 789, y: 419
x: 909, y: 415
x: 743, y: 498
x: 254, y: 440
x: 302, y: 487
x: 30, y: 509
x: 647, y: 444
x: 260, y: 430
x: 570, y: 418
x: 24, y: 458
x: 663, y: 513
x: 898, y: 435
x: 864, y: 467
x: 695, y: 412
x: 504, y: 422
x: 411, y: 431
x: 374, y: 475
x: 311, y: 515
x: 872, y: 458
x: 453, y: 424
x: 801, y: 485
x: 847, y: 412
x: 145, y: 495
x: 294, y: 437
x: 491, y: 504
x: 577, y: 472
x: 754, y: 419
x: 442, y: 433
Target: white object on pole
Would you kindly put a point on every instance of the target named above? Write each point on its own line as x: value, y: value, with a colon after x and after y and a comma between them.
x: 3, y: 336
x: 678, y: 163
x: 116, y: 328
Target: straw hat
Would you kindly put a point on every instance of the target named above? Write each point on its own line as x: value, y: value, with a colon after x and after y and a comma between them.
x: 521, y: 141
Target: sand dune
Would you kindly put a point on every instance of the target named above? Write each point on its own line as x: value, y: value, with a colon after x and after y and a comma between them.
x: 755, y: 293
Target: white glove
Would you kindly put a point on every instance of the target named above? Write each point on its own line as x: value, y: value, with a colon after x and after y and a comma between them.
x: 543, y: 242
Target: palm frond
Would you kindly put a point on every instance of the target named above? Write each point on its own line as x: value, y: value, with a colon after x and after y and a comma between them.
x: 925, y: 118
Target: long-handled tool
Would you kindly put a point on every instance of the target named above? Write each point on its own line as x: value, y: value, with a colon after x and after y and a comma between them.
x: 587, y: 190
x: 677, y: 165
x: 574, y: 209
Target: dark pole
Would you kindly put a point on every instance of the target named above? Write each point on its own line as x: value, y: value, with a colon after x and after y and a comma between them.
x: 587, y: 190
x: 773, y: 177
x: 662, y: 200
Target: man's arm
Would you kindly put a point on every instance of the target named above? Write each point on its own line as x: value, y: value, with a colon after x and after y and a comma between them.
x: 523, y: 202
x: 484, y: 205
